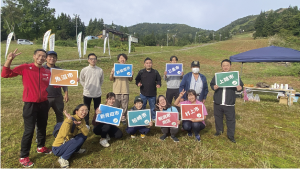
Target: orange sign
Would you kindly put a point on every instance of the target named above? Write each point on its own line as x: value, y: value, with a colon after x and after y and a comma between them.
x: 61, y: 77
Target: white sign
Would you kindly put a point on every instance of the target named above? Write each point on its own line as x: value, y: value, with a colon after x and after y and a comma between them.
x: 46, y: 39
x: 52, y: 42
x: 8, y: 42
x: 79, y: 43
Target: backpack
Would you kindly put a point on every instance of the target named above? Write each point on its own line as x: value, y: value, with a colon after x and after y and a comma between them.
x: 58, y: 125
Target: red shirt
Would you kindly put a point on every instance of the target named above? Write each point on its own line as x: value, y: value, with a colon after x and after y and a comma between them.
x: 35, y: 81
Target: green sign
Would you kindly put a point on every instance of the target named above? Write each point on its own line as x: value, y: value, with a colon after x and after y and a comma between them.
x: 227, y: 79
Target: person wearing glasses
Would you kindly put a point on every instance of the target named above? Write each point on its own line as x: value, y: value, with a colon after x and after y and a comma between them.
x: 68, y: 141
x: 91, y: 78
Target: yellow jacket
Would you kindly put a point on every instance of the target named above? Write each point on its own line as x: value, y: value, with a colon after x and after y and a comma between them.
x: 65, y: 134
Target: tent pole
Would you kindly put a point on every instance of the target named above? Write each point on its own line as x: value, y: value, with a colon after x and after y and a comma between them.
x: 242, y: 69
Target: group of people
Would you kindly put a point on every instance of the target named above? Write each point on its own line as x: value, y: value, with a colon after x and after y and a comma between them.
x: 39, y: 97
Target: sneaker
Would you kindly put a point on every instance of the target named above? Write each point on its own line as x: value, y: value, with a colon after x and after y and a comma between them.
x: 218, y: 133
x: 231, y: 139
x: 143, y: 135
x: 163, y: 137
x: 198, y: 137
x: 44, y: 150
x: 80, y: 151
x: 175, y: 139
x: 63, y: 163
x: 104, y: 143
x: 132, y: 136
x: 190, y: 134
x: 107, y: 137
x: 26, y: 162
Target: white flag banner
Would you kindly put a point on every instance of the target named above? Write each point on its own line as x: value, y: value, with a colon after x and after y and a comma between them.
x: 129, y: 44
x: 8, y: 42
x: 52, y: 42
x: 104, y: 44
x: 108, y: 45
x: 46, y: 39
x: 79, y: 43
x: 85, y: 45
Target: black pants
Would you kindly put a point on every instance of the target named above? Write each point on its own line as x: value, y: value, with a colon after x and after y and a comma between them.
x: 103, y: 129
x: 172, y: 93
x: 190, y: 126
x: 172, y: 130
x: 57, y: 104
x: 229, y: 111
x: 34, y: 113
x: 87, y: 101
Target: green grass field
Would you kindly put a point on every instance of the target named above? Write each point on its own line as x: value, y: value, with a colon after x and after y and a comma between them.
x: 267, y: 133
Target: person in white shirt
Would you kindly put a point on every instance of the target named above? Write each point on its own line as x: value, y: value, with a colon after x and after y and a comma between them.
x: 91, y: 78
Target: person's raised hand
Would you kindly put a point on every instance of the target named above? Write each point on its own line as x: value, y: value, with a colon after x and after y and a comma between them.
x: 181, y: 93
x: 67, y: 115
x: 11, y: 56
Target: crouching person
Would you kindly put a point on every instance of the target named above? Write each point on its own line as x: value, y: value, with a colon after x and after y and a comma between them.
x: 67, y: 140
x: 138, y: 105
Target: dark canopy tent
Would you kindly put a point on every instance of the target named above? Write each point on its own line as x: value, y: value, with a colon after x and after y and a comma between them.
x: 268, y: 54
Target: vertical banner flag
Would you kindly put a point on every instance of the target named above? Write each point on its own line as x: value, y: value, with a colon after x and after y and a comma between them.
x: 108, y: 44
x: 174, y: 69
x: 79, y: 43
x: 129, y: 44
x: 139, y: 118
x: 8, y: 42
x: 46, y: 39
x: 192, y: 111
x: 52, y: 42
x: 61, y: 77
x: 166, y: 119
x: 109, y: 115
x: 123, y: 70
x: 105, y: 39
x: 227, y: 79
x: 85, y: 45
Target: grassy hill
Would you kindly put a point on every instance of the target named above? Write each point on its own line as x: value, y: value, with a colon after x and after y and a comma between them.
x: 267, y: 133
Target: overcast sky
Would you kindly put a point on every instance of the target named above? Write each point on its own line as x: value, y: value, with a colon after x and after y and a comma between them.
x: 205, y: 14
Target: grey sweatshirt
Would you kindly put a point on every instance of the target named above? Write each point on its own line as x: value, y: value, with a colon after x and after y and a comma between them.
x: 91, y: 78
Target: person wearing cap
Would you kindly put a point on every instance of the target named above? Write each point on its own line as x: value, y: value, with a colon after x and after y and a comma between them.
x: 224, y: 103
x: 173, y: 83
x: 35, y: 80
x: 196, y: 81
x: 121, y: 88
x: 55, y: 98
x: 91, y: 78
x: 138, y: 105
x: 148, y: 80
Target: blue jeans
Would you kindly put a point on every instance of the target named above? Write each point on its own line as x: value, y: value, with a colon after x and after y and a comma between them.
x: 195, y: 126
x: 71, y: 146
x: 152, y: 101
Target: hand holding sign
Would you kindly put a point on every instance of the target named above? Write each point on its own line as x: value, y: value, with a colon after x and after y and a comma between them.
x: 239, y: 88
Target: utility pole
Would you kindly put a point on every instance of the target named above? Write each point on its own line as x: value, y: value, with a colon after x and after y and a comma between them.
x: 114, y: 27
x: 214, y: 36
x: 220, y: 36
x: 76, y: 16
x: 168, y: 38
x: 195, y: 37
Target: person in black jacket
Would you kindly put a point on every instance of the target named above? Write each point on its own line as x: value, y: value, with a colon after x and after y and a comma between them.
x: 224, y: 101
x: 148, y: 80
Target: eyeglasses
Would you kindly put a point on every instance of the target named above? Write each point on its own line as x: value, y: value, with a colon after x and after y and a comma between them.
x: 92, y: 59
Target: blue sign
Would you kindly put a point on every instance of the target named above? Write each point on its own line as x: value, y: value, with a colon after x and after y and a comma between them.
x: 109, y: 115
x: 123, y: 70
x: 174, y: 69
x: 139, y: 118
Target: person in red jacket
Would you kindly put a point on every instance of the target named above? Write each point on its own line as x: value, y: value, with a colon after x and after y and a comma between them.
x: 35, y: 111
